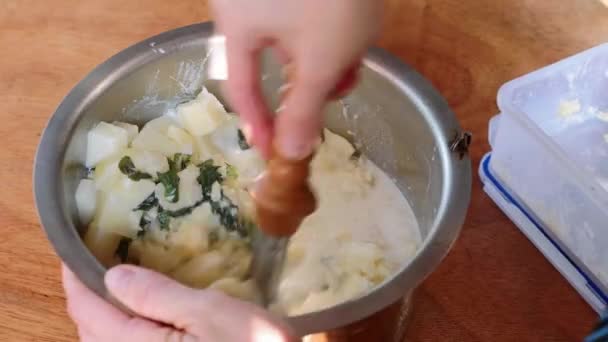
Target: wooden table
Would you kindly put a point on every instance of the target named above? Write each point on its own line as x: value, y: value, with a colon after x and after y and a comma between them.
x: 494, y: 286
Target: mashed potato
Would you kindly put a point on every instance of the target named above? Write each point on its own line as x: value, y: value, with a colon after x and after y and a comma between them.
x: 174, y: 197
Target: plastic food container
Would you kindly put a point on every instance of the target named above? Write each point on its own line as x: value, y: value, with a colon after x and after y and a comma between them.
x: 548, y: 168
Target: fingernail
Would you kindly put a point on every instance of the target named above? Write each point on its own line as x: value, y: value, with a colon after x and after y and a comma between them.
x: 284, y: 89
x: 118, y: 277
x: 291, y: 148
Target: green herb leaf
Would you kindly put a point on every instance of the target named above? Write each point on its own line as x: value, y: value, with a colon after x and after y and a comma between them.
x: 149, y: 203
x: 209, y: 174
x: 243, y: 144
x: 170, y: 181
x: 144, y: 224
x: 126, y: 166
x: 164, y: 219
x: 122, y: 251
x: 179, y: 162
x: 227, y: 211
x: 228, y: 214
x: 183, y: 211
x: 231, y: 172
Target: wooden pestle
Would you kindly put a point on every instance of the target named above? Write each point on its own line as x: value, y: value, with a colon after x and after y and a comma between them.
x: 283, y: 196
x: 283, y: 199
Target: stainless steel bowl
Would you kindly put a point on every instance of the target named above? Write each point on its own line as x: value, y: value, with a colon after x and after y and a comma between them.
x: 395, y: 115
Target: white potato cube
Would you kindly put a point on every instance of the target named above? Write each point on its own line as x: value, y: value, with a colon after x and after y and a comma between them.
x: 249, y: 165
x: 132, y: 130
x: 189, y: 190
x: 202, y: 115
x: 105, y: 141
x: 205, y: 149
x: 107, y: 173
x: 114, y: 213
x: 86, y: 195
x: 225, y: 137
x: 160, y: 124
x: 149, y: 162
x: 151, y: 139
x: 102, y: 244
x: 182, y: 138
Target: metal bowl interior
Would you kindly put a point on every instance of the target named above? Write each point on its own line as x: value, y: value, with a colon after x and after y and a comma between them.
x: 398, y: 119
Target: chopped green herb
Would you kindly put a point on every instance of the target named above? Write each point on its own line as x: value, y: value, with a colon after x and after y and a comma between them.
x: 149, y: 203
x: 209, y: 174
x: 179, y: 162
x: 182, y: 211
x: 90, y: 172
x: 126, y: 166
x: 231, y: 172
x: 170, y: 181
x: 144, y: 224
x: 243, y: 144
x: 164, y: 219
x: 227, y: 211
x: 122, y: 251
x: 228, y: 214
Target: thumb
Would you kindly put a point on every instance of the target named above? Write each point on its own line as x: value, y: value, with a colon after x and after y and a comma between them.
x: 208, y: 315
x: 153, y: 295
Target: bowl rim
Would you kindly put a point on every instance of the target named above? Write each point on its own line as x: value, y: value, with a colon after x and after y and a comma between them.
x: 451, y: 211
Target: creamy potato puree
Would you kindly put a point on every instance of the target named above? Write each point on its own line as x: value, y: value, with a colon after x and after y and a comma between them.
x: 361, y: 233
x: 174, y: 197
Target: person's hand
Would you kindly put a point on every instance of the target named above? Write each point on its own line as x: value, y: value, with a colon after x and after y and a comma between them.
x: 323, y: 41
x: 169, y: 312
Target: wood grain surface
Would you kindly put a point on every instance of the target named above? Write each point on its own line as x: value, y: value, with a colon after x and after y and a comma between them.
x: 494, y: 286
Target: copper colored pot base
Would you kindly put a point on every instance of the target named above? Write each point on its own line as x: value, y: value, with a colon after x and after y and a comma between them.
x: 387, y: 325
